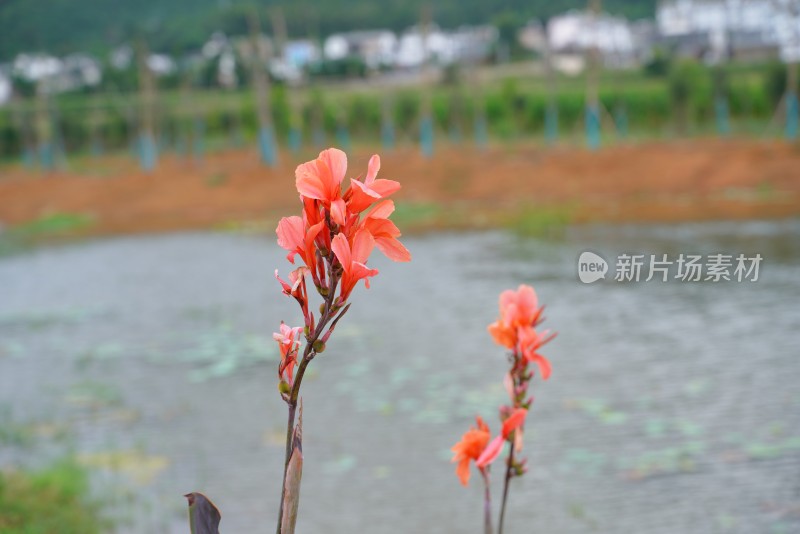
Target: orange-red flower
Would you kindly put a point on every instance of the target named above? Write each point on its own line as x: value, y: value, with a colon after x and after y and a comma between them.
x: 520, y: 308
x: 298, y: 238
x: 493, y: 449
x: 470, y: 448
x: 321, y: 179
x: 362, y: 194
x: 353, y: 259
x: 529, y: 342
x: 385, y: 232
x: 520, y: 313
x: 514, y: 421
x: 289, y: 342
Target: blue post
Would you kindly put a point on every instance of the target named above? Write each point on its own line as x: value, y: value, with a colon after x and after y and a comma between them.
x: 180, y: 140
x: 721, y: 112
x: 387, y: 134
x: 343, y: 137
x: 319, y: 137
x: 147, y: 152
x: 28, y: 156
x: 455, y: 133
x: 593, y: 127
x: 295, y: 139
x: 551, y: 123
x: 426, y: 136
x: 198, y: 138
x: 621, y: 121
x: 238, y: 139
x: 47, y: 157
x: 266, y: 145
x: 59, y: 146
x: 97, y: 147
x: 792, y: 113
x: 165, y: 140
x: 481, y: 130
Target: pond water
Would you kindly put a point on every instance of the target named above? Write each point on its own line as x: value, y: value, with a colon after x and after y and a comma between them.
x: 673, y: 406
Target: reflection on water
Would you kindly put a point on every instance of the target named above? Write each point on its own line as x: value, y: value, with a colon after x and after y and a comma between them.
x: 673, y: 407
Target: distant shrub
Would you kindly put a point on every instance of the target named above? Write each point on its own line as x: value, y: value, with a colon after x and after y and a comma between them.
x: 52, y: 500
x: 690, y: 88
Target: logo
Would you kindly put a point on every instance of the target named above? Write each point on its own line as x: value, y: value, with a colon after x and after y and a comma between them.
x: 591, y: 267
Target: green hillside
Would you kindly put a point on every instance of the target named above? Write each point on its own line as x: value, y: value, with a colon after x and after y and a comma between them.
x: 64, y: 26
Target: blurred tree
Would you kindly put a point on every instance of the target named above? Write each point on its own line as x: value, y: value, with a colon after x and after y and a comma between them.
x: 775, y: 82
x: 690, y: 87
x: 659, y: 64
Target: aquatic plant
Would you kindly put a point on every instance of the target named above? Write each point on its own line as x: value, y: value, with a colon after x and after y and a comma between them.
x: 520, y: 314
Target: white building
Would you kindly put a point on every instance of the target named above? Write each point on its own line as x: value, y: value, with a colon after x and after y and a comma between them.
x: 375, y: 47
x: 5, y: 89
x: 467, y: 44
x: 728, y: 23
x: 577, y: 32
x: 58, y: 75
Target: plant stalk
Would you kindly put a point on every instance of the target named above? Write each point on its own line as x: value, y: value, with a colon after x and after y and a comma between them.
x: 308, y: 354
x: 506, y: 485
x: 487, y: 503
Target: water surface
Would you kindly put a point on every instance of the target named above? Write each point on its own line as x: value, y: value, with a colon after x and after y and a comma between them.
x: 673, y: 407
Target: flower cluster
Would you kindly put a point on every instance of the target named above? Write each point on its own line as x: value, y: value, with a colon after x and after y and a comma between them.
x: 477, y: 446
x: 334, y: 237
x: 516, y: 329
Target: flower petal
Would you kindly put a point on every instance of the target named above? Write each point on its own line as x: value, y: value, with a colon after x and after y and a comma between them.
x: 514, y: 421
x: 341, y: 248
x: 363, y: 243
x: 382, y: 210
x: 339, y: 211
x: 308, y: 181
x: 543, y: 363
x: 290, y: 232
x: 462, y: 471
x: 384, y: 188
x: 336, y: 161
x: 491, y: 452
x: 393, y: 249
x: 372, y: 169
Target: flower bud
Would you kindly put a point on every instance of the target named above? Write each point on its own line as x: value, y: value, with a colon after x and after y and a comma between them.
x: 323, y: 291
x: 322, y: 309
x: 319, y: 346
x: 283, y: 387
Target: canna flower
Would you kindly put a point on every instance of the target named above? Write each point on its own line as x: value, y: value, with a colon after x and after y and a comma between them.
x: 298, y: 290
x: 530, y: 341
x: 385, y: 232
x: 362, y: 194
x: 298, y: 239
x: 490, y: 453
x: 503, y: 334
x: 514, y: 421
x: 520, y: 308
x: 321, y: 179
x: 495, y: 447
x: 353, y: 259
x: 519, y: 314
x: 470, y: 448
x: 288, y: 342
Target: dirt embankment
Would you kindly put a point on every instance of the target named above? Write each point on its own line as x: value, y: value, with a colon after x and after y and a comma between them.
x: 651, y: 182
